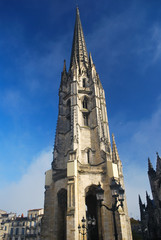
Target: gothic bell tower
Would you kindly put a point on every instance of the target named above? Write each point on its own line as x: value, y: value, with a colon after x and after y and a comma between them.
x: 83, y: 156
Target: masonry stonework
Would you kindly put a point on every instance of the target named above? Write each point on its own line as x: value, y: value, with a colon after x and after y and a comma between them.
x: 83, y: 156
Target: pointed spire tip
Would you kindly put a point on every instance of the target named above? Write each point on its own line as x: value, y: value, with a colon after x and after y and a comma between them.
x: 79, y: 53
x: 64, y: 67
x: 140, y: 201
x: 149, y: 164
x: 77, y: 10
x: 90, y: 60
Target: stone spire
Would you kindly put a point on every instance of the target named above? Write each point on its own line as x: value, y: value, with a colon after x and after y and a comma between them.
x: 116, y: 158
x: 90, y: 60
x: 115, y: 155
x: 140, y: 202
x: 79, y: 55
x: 151, y: 170
x: 82, y: 156
x: 147, y: 196
x: 64, y: 66
x: 158, y: 165
x: 142, y: 208
x: 149, y: 201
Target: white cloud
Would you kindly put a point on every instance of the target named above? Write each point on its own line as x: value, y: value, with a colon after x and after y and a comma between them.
x: 28, y: 193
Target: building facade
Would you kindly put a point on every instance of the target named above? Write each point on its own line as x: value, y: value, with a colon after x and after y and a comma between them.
x: 150, y: 213
x: 83, y: 156
x: 22, y: 228
x: 5, y: 219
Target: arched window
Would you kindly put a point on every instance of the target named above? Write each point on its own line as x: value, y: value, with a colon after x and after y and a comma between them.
x: 93, y: 211
x: 85, y: 103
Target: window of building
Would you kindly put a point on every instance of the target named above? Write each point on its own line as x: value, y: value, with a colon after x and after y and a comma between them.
x: 72, y: 156
x: 68, y: 107
x: 23, y: 231
x: 85, y: 103
x: 85, y: 116
x: 11, y: 232
x: 84, y: 82
x: 68, y: 114
x: 17, y: 231
x: 88, y: 155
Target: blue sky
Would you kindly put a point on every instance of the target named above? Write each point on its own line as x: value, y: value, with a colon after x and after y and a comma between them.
x: 124, y: 38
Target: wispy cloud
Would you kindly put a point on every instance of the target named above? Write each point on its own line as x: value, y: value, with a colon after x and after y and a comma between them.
x: 28, y: 193
x: 136, y: 183
x: 117, y: 35
x: 137, y: 141
x: 41, y: 70
x: 12, y: 100
x: 148, y: 46
x: 156, y: 42
x: 120, y: 38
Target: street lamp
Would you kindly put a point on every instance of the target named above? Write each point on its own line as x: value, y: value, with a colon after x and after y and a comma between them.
x: 117, y: 194
x: 85, y: 230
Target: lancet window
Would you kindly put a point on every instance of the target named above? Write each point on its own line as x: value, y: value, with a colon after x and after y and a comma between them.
x: 85, y: 116
x: 85, y: 103
x: 68, y: 115
x: 84, y: 82
x: 68, y: 107
x: 88, y: 156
